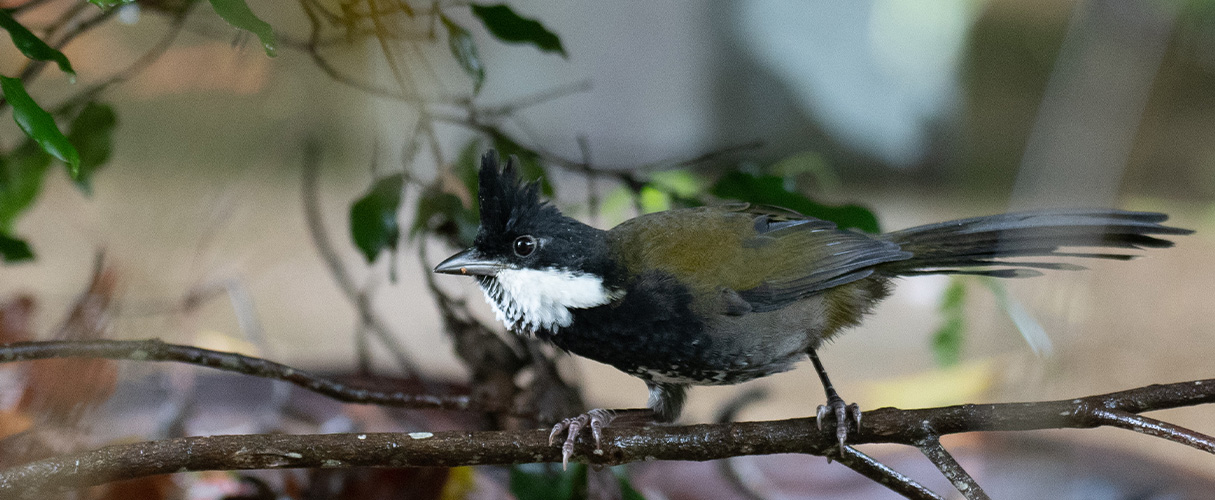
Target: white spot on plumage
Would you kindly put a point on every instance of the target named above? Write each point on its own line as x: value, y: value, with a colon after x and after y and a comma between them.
x: 540, y: 299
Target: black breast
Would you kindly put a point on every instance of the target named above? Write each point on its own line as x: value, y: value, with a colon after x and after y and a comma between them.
x: 651, y: 333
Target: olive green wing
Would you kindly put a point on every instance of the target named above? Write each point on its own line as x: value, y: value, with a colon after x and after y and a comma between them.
x: 813, y: 255
x: 766, y: 256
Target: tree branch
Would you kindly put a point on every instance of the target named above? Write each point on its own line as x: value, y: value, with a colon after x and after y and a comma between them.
x: 621, y: 445
x: 156, y: 350
x: 952, y: 470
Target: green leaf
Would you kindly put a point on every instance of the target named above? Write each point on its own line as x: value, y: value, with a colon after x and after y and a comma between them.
x: 770, y: 190
x: 504, y: 24
x: 373, y: 217
x: 948, y: 339
x: 32, y: 46
x: 548, y: 482
x: 38, y: 124
x: 238, y: 14
x: 530, y: 166
x: 14, y: 250
x: 21, y: 175
x: 444, y: 214
x: 464, y: 49
x: 92, y: 132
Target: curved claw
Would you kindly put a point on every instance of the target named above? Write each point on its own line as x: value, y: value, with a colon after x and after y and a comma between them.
x: 841, y: 412
x: 595, y: 419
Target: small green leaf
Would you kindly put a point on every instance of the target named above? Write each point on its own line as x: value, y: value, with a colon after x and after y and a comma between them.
x: 530, y: 165
x: 770, y: 190
x: 504, y: 24
x: 91, y: 131
x: 21, y: 175
x: 39, y: 125
x: 32, y: 46
x: 548, y: 482
x: 238, y: 14
x: 14, y: 250
x: 948, y: 339
x: 373, y: 217
x: 464, y: 49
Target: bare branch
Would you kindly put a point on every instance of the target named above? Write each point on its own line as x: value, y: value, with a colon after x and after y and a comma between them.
x: 882, y: 474
x: 459, y: 448
x: 952, y: 470
x: 1153, y: 427
x: 156, y: 350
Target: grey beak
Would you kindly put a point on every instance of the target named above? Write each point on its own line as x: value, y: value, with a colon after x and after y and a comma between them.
x: 469, y: 262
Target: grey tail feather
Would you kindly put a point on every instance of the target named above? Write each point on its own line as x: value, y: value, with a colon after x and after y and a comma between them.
x: 980, y: 245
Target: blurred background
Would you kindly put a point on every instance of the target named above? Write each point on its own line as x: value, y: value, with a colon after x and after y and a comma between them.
x: 918, y: 111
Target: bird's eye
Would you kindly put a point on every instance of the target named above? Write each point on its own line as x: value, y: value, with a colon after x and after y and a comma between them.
x: 524, y: 245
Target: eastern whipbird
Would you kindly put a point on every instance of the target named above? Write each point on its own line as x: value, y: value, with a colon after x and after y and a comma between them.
x: 724, y: 294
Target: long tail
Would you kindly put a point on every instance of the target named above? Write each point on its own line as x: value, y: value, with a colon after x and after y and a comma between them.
x: 961, y: 246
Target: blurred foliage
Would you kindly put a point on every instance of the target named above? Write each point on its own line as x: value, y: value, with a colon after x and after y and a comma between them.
x: 947, y: 341
x: 550, y: 482
x: 507, y: 26
x: 21, y: 174
x: 464, y: 50
x: 13, y: 250
x: 772, y: 190
x: 32, y: 46
x: 92, y: 133
x: 373, y: 217
x: 238, y: 14
x: 38, y: 124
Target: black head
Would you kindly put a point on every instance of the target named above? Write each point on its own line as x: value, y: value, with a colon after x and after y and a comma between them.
x: 520, y: 231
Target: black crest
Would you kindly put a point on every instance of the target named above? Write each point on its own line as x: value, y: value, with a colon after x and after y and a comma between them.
x: 505, y: 201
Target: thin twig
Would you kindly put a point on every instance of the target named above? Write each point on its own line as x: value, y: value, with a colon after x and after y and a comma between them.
x: 537, y: 98
x: 320, y: 239
x: 14, y: 11
x: 156, y: 350
x: 1153, y: 427
x: 142, y: 63
x: 34, y: 67
x: 962, y: 480
x: 313, y: 49
x: 882, y: 474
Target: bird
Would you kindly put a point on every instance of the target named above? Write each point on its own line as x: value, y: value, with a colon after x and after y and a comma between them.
x: 724, y: 294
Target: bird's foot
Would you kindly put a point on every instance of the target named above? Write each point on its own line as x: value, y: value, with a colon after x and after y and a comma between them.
x: 836, y: 406
x: 595, y: 420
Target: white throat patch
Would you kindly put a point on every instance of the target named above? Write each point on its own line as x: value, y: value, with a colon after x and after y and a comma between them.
x: 532, y: 300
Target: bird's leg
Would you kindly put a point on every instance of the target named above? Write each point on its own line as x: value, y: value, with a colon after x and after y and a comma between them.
x: 835, y: 404
x: 666, y: 402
